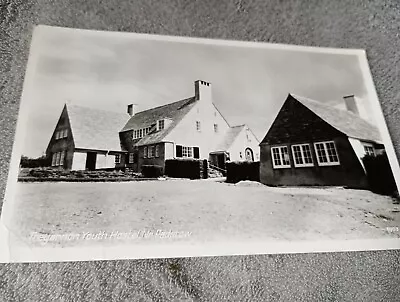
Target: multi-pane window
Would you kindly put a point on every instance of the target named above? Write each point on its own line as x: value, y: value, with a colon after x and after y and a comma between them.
x: 302, y: 155
x: 131, y: 158
x: 157, y: 151
x: 151, y: 151
x: 58, y: 158
x: 145, y: 152
x: 326, y: 153
x: 61, y: 133
x: 187, y: 151
x: 160, y: 124
x: 62, y: 156
x: 117, y: 158
x: 198, y: 126
x: 215, y: 128
x: 369, y: 150
x: 280, y: 157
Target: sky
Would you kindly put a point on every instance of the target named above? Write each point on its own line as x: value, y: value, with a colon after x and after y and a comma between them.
x: 110, y: 70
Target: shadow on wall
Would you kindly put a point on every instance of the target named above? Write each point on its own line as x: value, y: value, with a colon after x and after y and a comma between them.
x: 379, y: 174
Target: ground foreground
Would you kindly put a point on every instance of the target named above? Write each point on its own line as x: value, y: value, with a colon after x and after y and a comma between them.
x: 71, y: 214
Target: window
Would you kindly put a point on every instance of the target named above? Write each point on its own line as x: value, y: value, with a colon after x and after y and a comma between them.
x: 160, y: 124
x: 117, y: 158
x: 57, y: 134
x: 62, y: 156
x: 187, y: 152
x: 302, y: 155
x: 151, y: 151
x: 198, y: 126
x: 215, y: 128
x: 65, y: 133
x: 58, y: 158
x: 280, y: 157
x: 145, y: 152
x: 157, y: 151
x: 326, y: 153
x: 369, y: 149
x: 131, y: 158
x: 53, y: 160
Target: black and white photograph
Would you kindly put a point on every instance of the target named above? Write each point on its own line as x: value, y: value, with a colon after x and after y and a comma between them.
x: 134, y: 145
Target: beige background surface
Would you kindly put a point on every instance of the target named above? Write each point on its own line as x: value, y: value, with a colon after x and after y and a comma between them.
x: 363, y: 276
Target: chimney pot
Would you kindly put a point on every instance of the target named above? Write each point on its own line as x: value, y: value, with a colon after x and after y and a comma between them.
x: 131, y: 109
x: 203, y: 90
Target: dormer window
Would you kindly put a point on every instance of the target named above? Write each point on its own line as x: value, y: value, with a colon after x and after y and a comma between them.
x: 198, y: 126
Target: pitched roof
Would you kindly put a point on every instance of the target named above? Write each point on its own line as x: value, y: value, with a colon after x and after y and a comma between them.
x: 345, y: 121
x: 95, y: 129
x: 173, y: 111
x: 230, y: 137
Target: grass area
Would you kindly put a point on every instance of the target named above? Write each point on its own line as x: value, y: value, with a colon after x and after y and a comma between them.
x: 209, y: 211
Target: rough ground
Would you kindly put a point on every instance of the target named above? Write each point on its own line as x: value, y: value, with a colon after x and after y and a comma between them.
x: 211, y: 211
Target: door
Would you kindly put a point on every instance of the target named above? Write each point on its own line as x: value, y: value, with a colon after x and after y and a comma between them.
x: 91, y: 161
x: 249, y: 154
x: 221, y: 160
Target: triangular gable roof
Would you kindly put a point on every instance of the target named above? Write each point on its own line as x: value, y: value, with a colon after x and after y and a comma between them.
x: 346, y: 122
x: 230, y: 137
x: 95, y: 129
x: 173, y: 111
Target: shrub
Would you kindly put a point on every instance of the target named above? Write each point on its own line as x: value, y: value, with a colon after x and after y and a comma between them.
x: 184, y: 168
x: 237, y: 171
x: 152, y: 171
x: 379, y: 174
x: 42, y: 161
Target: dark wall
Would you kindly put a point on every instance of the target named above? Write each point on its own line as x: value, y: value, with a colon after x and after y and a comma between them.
x: 348, y: 173
x: 62, y: 144
x: 159, y: 161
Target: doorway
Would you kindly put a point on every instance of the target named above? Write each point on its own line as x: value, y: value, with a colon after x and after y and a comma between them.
x: 249, y: 154
x: 90, y: 161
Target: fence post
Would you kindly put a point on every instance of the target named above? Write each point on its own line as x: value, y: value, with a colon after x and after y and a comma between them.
x: 205, y: 169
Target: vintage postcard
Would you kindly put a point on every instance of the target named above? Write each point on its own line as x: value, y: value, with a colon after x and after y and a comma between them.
x: 144, y: 146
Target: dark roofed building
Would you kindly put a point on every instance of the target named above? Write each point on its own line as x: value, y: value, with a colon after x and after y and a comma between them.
x: 310, y: 143
x: 86, y: 138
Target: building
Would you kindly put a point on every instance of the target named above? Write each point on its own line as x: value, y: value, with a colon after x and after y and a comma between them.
x: 87, y: 139
x: 310, y: 143
x: 189, y: 128
x: 92, y: 139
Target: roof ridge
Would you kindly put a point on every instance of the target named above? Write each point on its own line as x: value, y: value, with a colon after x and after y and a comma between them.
x: 95, y: 109
x: 332, y: 108
x: 158, y: 107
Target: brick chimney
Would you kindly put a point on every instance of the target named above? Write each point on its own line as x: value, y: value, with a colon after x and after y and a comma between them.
x: 202, y: 91
x: 131, y: 109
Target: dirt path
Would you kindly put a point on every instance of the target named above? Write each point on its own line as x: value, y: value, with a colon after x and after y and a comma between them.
x: 204, y: 211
